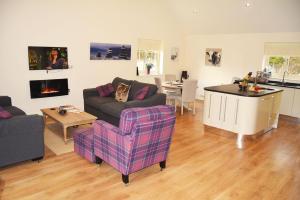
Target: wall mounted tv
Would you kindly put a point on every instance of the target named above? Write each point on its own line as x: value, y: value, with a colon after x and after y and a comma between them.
x: 47, y: 58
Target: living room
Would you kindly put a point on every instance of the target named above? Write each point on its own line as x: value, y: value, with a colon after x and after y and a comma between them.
x: 241, y: 28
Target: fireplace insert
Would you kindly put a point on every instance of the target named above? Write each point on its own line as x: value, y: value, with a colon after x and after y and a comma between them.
x: 48, y: 88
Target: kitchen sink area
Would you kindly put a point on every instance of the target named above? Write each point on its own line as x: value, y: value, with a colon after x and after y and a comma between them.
x: 282, y: 84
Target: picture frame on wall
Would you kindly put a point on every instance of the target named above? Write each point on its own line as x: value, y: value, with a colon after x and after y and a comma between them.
x: 107, y: 51
x: 47, y: 58
x: 213, y: 57
x: 174, y: 53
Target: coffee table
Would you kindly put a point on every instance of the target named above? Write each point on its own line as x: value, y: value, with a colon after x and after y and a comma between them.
x: 69, y: 119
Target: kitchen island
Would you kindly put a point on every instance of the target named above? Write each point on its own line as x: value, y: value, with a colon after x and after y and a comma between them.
x: 242, y: 112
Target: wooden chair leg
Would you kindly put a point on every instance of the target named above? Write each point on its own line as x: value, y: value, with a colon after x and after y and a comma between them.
x: 125, y: 179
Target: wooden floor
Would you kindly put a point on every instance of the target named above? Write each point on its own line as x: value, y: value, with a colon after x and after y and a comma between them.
x: 200, y: 166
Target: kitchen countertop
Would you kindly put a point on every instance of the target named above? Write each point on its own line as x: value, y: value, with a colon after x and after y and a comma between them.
x: 277, y: 84
x: 235, y: 90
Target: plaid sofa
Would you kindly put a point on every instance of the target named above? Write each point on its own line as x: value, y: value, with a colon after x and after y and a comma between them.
x: 142, y: 139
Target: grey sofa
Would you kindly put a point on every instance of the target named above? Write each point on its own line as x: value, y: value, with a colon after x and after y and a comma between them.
x: 21, y: 136
x: 109, y: 110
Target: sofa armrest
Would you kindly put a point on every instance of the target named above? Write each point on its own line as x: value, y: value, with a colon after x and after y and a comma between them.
x: 155, y: 100
x: 22, y: 125
x: 90, y: 92
x: 5, y: 101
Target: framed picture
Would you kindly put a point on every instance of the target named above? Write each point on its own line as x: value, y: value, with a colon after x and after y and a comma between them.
x: 213, y: 57
x: 174, y: 53
x: 47, y: 58
x: 104, y: 51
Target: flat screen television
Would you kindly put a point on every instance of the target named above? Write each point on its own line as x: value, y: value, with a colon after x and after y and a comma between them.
x: 47, y: 58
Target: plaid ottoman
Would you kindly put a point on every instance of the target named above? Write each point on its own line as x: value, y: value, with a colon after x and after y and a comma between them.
x: 84, y: 143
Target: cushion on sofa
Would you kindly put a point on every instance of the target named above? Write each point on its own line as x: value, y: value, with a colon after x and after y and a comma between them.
x: 14, y: 110
x: 136, y: 86
x: 122, y: 92
x: 119, y: 80
x: 4, y: 114
x: 113, y: 109
x: 105, y: 90
x: 141, y: 94
x: 96, y: 102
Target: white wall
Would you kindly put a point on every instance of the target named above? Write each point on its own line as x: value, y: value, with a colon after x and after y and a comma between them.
x: 241, y: 53
x: 75, y: 24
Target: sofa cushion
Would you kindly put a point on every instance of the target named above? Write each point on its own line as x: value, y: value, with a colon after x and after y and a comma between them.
x: 141, y: 94
x: 113, y: 109
x: 118, y: 80
x: 122, y: 92
x: 105, y: 90
x: 136, y: 86
x: 96, y: 102
x: 4, y: 114
x: 14, y: 110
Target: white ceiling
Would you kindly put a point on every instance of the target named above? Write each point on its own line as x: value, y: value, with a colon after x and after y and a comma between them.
x: 232, y: 16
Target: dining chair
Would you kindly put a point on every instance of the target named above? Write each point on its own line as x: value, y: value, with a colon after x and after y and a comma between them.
x: 171, y: 94
x: 170, y: 77
x: 188, y: 95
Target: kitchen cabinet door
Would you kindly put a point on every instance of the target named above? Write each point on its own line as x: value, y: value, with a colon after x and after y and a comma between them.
x: 296, y: 104
x: 212, y: 108
x: 228, y: 112
x: 287, y: 99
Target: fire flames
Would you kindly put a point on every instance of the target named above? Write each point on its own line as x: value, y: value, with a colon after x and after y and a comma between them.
x: 49, y: 90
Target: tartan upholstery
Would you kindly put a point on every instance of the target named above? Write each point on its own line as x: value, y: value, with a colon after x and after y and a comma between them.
x: 146, y: 144
x: 84, y: 144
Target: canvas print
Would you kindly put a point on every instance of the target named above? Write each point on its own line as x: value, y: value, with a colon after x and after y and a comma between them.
x: 47, y: 58
x: 213, y: 57
x: 174, y: 53
x: 103, y: 51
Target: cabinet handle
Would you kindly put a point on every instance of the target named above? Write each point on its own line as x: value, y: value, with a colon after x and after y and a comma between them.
x: 220, y: 108
x: 237, y: 110
x: 225, y: 109
x: 209, y: 105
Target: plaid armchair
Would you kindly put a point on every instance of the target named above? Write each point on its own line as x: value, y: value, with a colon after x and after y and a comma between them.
x: 142, y: 139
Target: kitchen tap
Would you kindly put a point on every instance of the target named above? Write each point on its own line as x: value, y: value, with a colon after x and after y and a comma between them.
x: 284, y: 74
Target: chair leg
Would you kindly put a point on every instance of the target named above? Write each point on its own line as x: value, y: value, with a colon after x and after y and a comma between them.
x: 98, y: 160
x: 125, y: 179
x: 162, y: 165
x: 194, y: 108
x: 182, y: 108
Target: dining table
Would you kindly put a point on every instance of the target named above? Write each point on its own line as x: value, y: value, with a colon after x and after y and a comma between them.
x: 174, y: 85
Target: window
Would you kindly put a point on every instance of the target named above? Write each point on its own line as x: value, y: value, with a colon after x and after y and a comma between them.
x: 282, y: 57
x: 149, y: 57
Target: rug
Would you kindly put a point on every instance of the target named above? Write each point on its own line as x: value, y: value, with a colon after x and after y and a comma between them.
x: 54, y: 138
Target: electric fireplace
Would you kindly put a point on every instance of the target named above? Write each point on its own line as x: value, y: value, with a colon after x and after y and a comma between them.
x: 48, y: 88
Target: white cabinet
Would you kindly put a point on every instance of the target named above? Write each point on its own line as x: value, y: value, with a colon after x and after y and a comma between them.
x: 290, y: 101
x: 241, y: 114
x: 296, y: 104
x: 220, y: 109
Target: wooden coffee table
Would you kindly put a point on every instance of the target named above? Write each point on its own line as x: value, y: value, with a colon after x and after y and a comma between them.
x: 69, y: 119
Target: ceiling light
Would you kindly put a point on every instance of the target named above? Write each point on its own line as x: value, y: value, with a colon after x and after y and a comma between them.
x: 196, y: 11
x: 248, y: 3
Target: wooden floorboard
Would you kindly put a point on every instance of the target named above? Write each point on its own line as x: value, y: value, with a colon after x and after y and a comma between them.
x: 200, y: 165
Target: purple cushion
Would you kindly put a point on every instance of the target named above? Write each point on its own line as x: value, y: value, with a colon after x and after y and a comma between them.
x: 141, y: 94
x: 4, y: 114
x: 105, y: 90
